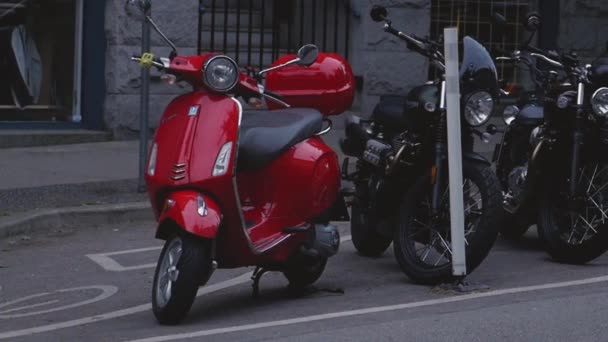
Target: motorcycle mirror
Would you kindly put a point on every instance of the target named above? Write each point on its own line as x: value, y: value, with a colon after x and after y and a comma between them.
x: 499, y: 22
x: 307, y: 55
x: 378, y: 13
x: 533, y: 22
x: 138, y: 9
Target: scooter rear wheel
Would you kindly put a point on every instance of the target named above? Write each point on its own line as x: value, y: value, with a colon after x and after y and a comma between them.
x: 183, y: 264
x: 301, y: 275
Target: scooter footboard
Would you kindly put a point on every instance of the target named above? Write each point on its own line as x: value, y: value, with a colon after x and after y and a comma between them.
x: 191, y: 211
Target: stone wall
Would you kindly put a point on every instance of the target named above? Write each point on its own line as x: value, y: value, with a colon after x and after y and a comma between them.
x: 179, y: 20
x: 384, y: 62
x: 584, y: 27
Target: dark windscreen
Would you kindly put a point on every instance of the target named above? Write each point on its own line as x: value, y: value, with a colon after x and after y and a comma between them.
x: 478, y: 71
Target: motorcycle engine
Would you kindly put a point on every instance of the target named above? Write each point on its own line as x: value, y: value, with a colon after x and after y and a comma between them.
x: 375, y: 151
x: 517, y: 179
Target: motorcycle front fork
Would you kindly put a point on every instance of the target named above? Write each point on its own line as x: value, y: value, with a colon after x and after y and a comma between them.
x: 577, y: 142
x: 438, y: 180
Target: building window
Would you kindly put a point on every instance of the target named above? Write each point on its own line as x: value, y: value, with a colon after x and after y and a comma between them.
x: 473, y: 18
x: 38, y: 63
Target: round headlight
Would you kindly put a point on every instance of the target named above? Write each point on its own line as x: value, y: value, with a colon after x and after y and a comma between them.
x: 478, y: 108
x: 599, y: 102
x: 509, y: 113
x: 221, y: 74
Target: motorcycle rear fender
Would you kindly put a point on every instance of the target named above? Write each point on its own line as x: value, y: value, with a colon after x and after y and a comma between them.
x: 476, y: 157
x: 192, y: 212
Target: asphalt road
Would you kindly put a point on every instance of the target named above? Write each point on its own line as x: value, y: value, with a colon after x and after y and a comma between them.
x: 73, y: 287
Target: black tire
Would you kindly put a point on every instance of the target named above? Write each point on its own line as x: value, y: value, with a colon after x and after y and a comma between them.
x: 366, y: 239
x: 553, y: 229
x: 514, y: 226
x: 193, y: 266
x: 481, y: 236
x: 301, y: 275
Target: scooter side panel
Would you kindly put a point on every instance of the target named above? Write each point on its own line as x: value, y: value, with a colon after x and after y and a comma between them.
x: 291, y: 191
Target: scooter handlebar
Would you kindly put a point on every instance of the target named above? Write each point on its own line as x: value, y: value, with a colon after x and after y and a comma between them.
x: 148, y: 60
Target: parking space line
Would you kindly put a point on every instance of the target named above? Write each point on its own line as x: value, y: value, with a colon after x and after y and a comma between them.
x: 109, y: 264
x: 372, y: 310
x: 241, y: 279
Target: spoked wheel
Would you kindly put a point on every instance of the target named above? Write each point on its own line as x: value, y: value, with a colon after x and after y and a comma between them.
x: 182, y: 265
x: 575, y: 229
x: 422, y: 242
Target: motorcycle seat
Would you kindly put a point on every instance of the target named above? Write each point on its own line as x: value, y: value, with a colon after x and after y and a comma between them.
x: 265, y: 135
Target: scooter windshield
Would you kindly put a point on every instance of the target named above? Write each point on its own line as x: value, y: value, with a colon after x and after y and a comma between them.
x: 478, y: 71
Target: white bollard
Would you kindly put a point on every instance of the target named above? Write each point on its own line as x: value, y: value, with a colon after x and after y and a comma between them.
x: 452, y: 86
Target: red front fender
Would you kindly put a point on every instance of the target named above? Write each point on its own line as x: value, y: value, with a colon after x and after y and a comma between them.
x: 191, y: 211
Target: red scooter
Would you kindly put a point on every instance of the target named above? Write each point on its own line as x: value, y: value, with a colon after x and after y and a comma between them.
x: 233, y: 188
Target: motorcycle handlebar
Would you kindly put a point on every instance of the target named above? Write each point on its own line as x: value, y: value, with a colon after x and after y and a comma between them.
x: 414, y: 43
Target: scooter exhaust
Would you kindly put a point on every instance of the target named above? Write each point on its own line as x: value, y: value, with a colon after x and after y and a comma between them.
x: 326, y: 240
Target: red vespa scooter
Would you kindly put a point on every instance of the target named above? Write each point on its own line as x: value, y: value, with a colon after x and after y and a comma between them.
x: 233, y: 188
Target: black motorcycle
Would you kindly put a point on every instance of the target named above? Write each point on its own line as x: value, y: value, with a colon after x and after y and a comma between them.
x: 400, y: 178
x: 553, y: 161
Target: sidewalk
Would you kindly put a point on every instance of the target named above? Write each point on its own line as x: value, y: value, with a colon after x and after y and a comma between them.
x: 75, y: 175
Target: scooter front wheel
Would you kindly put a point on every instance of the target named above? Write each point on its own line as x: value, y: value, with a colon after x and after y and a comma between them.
x: 183, y: 263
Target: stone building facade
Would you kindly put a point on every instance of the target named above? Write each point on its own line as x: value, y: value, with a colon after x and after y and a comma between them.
x: 382, y: 63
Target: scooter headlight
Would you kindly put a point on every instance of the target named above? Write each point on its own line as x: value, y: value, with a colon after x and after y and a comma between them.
x: 478, y: 108
x: 221, y: 74
x: 599, y: 102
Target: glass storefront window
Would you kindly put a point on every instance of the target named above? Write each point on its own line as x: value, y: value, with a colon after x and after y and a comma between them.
x: 37, y: 40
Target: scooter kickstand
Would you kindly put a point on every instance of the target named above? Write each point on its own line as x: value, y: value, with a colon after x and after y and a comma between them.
x: 256, y: 276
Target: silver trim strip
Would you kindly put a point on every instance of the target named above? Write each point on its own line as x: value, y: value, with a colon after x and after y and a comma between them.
x: 326, y: 130
x: 234, y: 184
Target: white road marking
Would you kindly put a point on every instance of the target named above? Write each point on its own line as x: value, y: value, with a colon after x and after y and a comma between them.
x: 25, y: 307
x: 358, y: 312
x: 109, y: 264
x: 243, y: 278
x: 106, y: 292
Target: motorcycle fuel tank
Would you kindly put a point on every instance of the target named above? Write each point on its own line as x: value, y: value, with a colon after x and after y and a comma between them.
x: 328, y: 85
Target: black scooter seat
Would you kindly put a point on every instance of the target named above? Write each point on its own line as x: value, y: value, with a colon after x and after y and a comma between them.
x: 265, y: 135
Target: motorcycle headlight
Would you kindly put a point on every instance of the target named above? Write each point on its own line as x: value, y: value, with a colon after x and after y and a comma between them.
x: 509, y: 114
x: 221, y: 74
x: 478, y: 108
x: 599, y: 102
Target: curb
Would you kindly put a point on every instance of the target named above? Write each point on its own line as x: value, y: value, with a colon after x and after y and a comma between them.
x: 49, y: 220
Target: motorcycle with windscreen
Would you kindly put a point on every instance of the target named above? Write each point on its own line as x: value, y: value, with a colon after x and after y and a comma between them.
x: 552, y: 160
x: 401, y: 173
x: 232, y: 187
